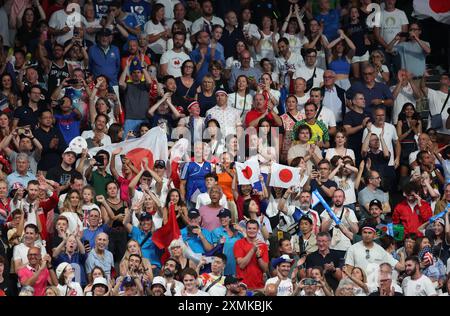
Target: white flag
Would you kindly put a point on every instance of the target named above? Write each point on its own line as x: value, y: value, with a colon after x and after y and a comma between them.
x: 437, y: 9
x: 284, y: 176
x: 248, y: 171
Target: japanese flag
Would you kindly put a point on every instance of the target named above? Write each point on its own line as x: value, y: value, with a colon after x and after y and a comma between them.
x: 283, y: 176
x: 437, y: 9
x: 248, y: 171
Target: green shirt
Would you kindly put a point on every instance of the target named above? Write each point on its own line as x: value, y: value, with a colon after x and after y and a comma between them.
x: 99, y: 182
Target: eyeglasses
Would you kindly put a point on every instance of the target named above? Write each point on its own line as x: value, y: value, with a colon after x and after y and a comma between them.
x: 367, y: 254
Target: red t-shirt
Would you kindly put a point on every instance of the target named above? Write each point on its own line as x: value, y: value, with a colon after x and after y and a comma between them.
x: 252, y: 275
x: 254, y: 114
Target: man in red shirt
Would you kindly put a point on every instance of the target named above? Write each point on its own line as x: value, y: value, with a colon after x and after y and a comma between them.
x: 252, y: 257
x: 413, y: 211
x: 262, y: 110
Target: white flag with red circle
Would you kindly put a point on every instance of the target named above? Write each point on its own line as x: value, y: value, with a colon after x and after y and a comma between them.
x: 284, y: 176
x: 437, y: 9
x: 248, y: 172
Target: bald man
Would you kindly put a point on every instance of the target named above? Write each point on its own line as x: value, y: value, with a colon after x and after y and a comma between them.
x: 100, y: 256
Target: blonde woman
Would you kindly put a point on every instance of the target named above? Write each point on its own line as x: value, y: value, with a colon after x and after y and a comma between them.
x: 177, y: 249
x: 133, y: 248
x: 358, y: 276
x: 72, y: 211
x: 52, y: 291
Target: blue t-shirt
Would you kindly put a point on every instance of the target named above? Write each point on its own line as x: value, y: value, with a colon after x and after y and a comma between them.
x: 196, y: 57
x: 330, y: 23
x: 194, y: 174
x: 194, y: 241
x: 90, y: 235
x: 149, y: 249
x: 69, y: 125
x: 217, y: 234
x: 141, y: 9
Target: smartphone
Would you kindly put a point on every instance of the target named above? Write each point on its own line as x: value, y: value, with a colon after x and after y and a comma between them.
x: 72, y: 81
x: 86, y: 243
x: 209, y: 259
x: 21, y: 131
x: 122, y: 158
x: 309, y: 281
x: 99, y: 160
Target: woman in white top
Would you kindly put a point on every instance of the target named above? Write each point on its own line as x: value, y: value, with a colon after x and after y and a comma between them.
x: 266, y: 88
x: 216, y: 141
x: 65, y: 274
x: 241, y: 99
x: 191, y: 284
x: 377, y: 60
x: 340, y: 150
x: 157, y: 32
x: 72, y: 211
x: 267, y: 67
x: 344, y: 174
x: 267, y: 46
x: 294, y: 30
x: 320, y: 286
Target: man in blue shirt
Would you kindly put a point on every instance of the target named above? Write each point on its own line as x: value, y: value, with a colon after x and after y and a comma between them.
x: 143, y: 235
x: 199, y: 239
x: 104, y: 58
x: 140, y: 8
x: 203, y: 55
x: 329, y: 19
x: 375, y: 93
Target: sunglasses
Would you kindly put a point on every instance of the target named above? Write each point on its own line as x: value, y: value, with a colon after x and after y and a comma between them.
x: 367, y: 254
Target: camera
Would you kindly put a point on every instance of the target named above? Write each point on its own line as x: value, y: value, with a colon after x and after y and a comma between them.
x: 309, y: 282
x: 100, y: 160
x: 190, y: 229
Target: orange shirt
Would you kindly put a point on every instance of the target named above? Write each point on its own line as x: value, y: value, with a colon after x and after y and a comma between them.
x: 225, y: 181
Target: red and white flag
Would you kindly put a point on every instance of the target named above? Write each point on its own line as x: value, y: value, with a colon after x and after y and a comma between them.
x: 248, y: 172
x: 284, y: 176
x: 437, y: 9
x: 153, y: 146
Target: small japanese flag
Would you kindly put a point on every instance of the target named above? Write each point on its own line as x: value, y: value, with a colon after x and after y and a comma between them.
x: 283, y: 176
x: 248, y: 171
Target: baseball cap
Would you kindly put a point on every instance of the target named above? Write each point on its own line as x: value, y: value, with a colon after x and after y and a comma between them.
x: 192, y: 104
x: 128, y: 281
x: 159, y: 280
x: 70, y: 150
x: 145, y: 216
x: 230, y: 279
x: 104, y: 32
x: 224, y: 213
x: 376, y: 202
x: 282, y: 259
x: 159, y: 164
x: 193, y: 213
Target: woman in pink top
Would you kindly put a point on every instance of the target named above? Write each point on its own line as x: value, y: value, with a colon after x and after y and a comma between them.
x: 128, y: 171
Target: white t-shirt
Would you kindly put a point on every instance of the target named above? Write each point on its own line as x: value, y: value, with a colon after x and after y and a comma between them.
x: 406, y: 95
x: 391, y: 24
x: 95, y: 24
x: 174, y: 61
x: 204, y: 199
x: 243, y: 104
x: 252, y: 30
x: 420, y: 287
x: 74, y: 221
x: 197, y: 25
x: 306, y: 73
x: 106, y: 140
x: 199, y: 293
x: 296, y: 41
x: 339, y: 241
x: 285, y: 288
x: 21, y: 251
x: 301, y: 101
x: 160, y: 46
x: 436, y: 99
x: 266, y: 47
x: 231, y: 63
x: 178, y: 288
x: 390, y: 135
x: 294, y: 62
x: 348, y: 186
x: 331, y: 152
x: 73, y: 286
x: 168, y: 7
x: 60, y: 19
x: 357, y: 256
x: 379, y: 77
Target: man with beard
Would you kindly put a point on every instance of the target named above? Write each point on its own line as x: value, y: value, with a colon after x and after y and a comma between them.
x: 283, y: 280
x: 171, y: 60
x: 234, y: 287
x: 38, y: 272
x: 339, y: 241
x: 171, y: 269
x: 57, y: 69
x: 416, y: 284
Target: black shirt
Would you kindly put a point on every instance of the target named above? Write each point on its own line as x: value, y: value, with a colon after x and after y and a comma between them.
x: 356, y: 33
x: 316, y: 259
x: 229, y: 40
x: 27, y: 116
x: 377, y: 293
x: 50, y: 157
x: 58, y: 174
x: 315, y: 185
x: 354, y: 119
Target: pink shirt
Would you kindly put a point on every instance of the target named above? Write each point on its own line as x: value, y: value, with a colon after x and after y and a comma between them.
x: 123, y: 184
x: 27, y: 272
x: 210, y: 220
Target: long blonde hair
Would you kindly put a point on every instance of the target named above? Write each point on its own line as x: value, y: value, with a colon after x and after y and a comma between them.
x: 67, y: 207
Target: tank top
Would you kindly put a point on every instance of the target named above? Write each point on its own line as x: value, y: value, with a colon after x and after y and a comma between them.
x: 410, y: 137
x: 56, y: 75
x: 117, y: 209
x: 340, y: 66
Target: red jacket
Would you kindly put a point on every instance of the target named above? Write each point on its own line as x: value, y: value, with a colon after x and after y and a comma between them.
x: 410, y: 219
x: 47, y: 205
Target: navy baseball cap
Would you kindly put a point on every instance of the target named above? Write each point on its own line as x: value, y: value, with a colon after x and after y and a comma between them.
x: 193, y: 213
x: 224, y: 213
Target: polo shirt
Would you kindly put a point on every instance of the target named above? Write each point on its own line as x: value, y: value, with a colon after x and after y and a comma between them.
x: 149, y: 249
x: 15, y: 177
x: 106, y: 262
x: 357, y: 254
x: 194, y: 242
x: 99, y: 182
x: 379, y: 91
x: 26, y: 116
x: 210, y: 220
x: 228, y: 118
